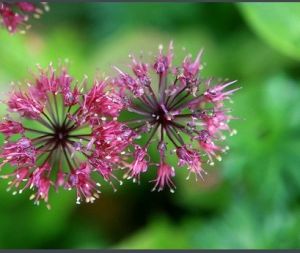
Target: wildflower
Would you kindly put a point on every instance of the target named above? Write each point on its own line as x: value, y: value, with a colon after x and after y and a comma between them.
x: 170, y: 102
x: 81, y: 181
x: 139, y: 164
x: 25, y: 104
x: 9, y: 127
x: 14, y: 16
x: 192, y: 159
x: 164, y: 177
x: 64, y: 134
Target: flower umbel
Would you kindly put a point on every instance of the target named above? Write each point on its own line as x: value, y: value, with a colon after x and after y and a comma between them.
x: 14, y: 15
x: 172, y: 103
x: 65, y: 136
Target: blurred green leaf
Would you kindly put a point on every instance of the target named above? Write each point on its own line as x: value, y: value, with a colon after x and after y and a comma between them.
x: 277, y: 24
x: 160, y: 234
x: 245, y: 227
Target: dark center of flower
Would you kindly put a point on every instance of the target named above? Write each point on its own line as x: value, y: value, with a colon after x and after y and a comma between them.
x: 162, y: 115
x: 61, y: 135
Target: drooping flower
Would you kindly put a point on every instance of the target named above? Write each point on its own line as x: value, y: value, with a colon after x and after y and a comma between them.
x: 169, y: 103
x: 164, y: 177
x: 84, y: 185
x: 14, y: 15
x: 9, y: 127
x: 65, y: 134
x: 191, y: 158
x: 19, y: 153
x: 138, y: 165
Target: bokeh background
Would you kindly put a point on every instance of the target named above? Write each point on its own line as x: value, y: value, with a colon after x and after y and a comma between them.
x: 249, y: 200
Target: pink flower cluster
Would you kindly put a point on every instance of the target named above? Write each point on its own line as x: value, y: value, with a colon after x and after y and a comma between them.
x: 63, y: 135
x: 14, y: 15
x: 169, y: 102
x: 66, y: 135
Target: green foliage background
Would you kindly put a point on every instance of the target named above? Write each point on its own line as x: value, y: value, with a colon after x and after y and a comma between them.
x: 250, y: 200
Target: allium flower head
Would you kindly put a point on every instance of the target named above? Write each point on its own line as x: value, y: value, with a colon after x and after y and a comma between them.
x: 170, y: 103
x: 14, y: 15
x: 62, y: 135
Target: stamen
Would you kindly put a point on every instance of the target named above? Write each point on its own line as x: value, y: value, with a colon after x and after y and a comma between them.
x: 56, y: 109
x: 176, y: 134
x: 151, y: 135
x: 138, y: 111
x: 49, y: 120
x: 169, y: 133
x: 36, y: 131
x: 67, y: 158
x: 173, y: 105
